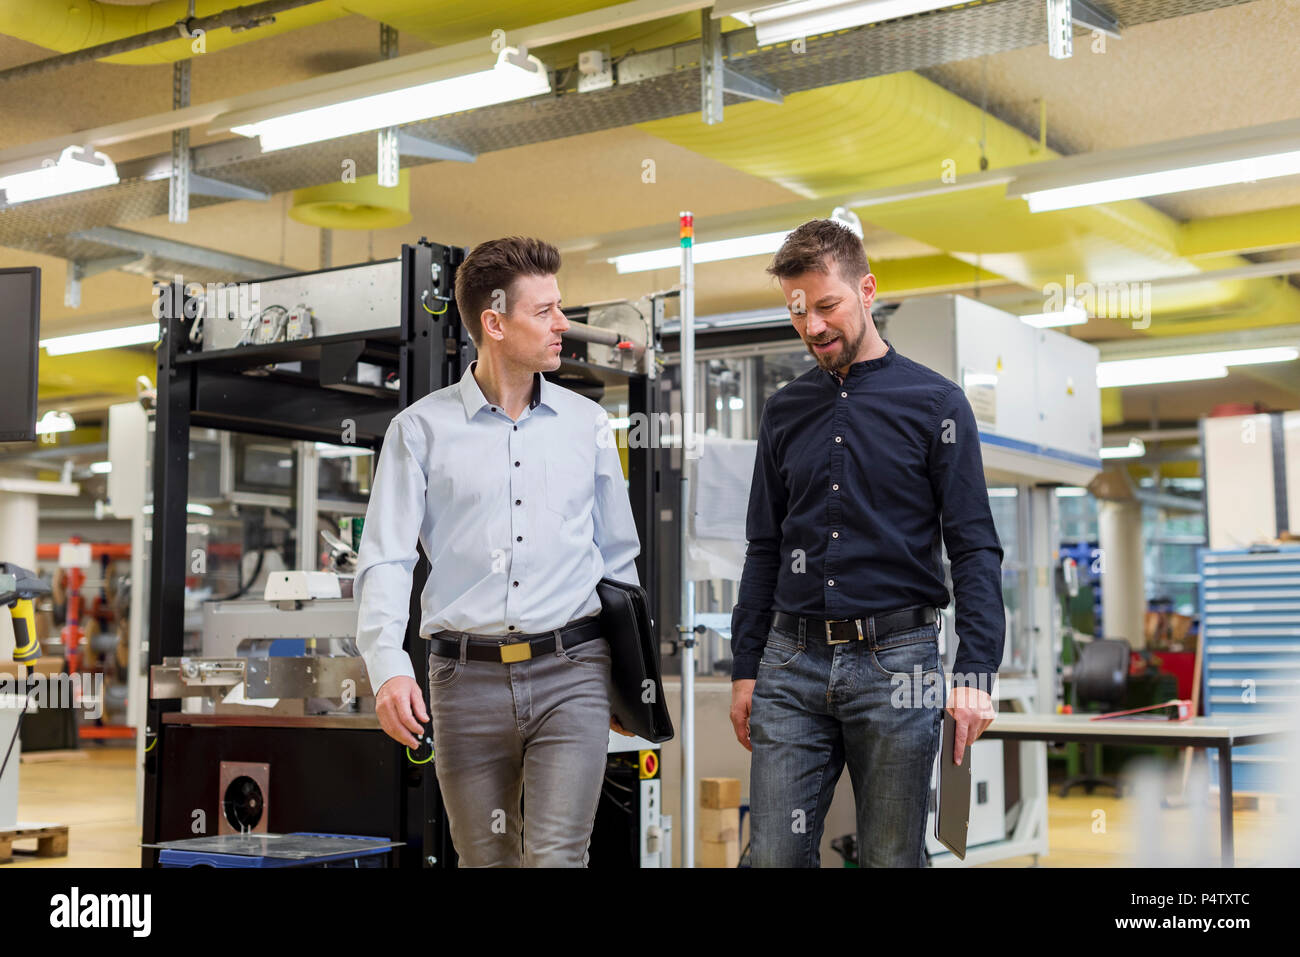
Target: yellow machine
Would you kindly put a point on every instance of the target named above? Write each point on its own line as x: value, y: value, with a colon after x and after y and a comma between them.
x: 18, y: 587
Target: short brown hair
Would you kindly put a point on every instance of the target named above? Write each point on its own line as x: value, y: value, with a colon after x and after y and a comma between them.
x: 806, y: 249
x: 495, y: 265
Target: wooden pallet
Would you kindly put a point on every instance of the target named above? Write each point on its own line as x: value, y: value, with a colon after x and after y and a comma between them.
x: 51, y: 840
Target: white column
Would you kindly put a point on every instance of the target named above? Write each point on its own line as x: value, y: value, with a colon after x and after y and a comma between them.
x: 1123, y: 584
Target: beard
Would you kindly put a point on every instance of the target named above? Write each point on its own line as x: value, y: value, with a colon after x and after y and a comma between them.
x: 846, y: 350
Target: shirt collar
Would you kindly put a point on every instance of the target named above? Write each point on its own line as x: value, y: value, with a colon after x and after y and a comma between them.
x: 474, y: 400
x: 867, y: 366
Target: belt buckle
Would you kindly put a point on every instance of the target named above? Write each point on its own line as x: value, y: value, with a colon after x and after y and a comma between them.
x: 516, y: 651
x: 840, y: 621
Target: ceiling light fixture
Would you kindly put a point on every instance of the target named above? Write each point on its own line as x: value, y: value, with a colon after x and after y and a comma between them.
x: 101, y: 339
x: 77, y: 168
x: 1186, y: 368
x: 712, y: 251
x: 778, y: 22
x: 1072, y: 315
x: 515, y: 76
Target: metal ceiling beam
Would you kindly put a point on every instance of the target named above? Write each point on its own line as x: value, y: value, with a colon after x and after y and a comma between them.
x: 389, y: 74
x: 1156, y: 346
x: 79, y: 269
x: 207, y: 186
x: 181, y: 252
x: 411, y: 145
x: 1089, y: 15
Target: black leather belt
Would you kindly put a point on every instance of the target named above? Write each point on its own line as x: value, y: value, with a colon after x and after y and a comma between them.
x: 514, y: 647
x: 841, y: 631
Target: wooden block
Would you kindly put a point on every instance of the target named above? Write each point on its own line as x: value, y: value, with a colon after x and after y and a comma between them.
x: 719, y: 792
x: 719, y: 824
x: 53, y: 845
x: 41, y: 757
x: 719, y: 853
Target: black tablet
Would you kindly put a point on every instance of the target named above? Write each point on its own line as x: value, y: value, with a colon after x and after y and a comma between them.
x: 951, y: 822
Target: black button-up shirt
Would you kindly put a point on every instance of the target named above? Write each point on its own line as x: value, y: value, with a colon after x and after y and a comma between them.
x: 854, y: 482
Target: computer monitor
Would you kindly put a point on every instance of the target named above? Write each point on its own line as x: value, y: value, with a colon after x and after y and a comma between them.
x: 20, y: 320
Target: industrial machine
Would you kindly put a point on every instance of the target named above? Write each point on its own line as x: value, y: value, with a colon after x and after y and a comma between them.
x: 18, y: 587
x: 260, y: 715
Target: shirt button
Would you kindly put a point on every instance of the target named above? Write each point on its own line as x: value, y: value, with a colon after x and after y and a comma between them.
x: 516, y: 584
x: 519, y: 501
x: 830, y: 581
x: 835, y: 488
x: 837, y: 439
x: 516, y: 465
x: 835, y: 534
x: 519, y: 538
x: 512, y: 627
x: 494, y: 408
x: 516, y: 428
x: 844, y: 395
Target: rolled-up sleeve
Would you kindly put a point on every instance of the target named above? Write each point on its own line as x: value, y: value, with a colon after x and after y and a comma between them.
x: 974, y: 552
x: 387, y: 557
x: 614, y: 527
x: 752, y: 614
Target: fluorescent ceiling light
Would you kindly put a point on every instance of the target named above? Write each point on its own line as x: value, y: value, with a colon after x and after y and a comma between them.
x: 77, y: 168
x: 776, y: 23
x: 1186, y: 368
x: 55, y: 422
x: 1003, y: 492
x: 102, y: 339
x: 327, y: 450
x: 1135, y: 449
x: 1161, y: 182
x: 195, y: 509
x: 1072, y: 315
x: 503, y: 82
x: 708, y: 252
x: 99, y: 468
x: 1070, y: 491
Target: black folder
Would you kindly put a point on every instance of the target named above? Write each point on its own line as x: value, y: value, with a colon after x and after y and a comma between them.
x: 637, y: 691
x: 953, y: 818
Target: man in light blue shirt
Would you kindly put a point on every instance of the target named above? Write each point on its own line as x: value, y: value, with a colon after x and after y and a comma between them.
x: 513, y: 486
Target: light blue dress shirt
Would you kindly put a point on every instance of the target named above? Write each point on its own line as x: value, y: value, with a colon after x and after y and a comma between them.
x: 520, y: 520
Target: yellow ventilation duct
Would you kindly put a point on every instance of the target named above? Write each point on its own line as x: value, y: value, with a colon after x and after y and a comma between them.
x: 902, y: 128
x: 363, y: 204
x: 67, y: 25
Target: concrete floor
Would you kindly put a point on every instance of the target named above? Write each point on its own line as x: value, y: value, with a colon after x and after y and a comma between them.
x: 95, y: 797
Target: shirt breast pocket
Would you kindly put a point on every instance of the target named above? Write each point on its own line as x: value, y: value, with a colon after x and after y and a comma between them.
x: 570, y: 482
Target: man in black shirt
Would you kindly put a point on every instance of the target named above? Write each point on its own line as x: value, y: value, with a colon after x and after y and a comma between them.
x: 867, y: 466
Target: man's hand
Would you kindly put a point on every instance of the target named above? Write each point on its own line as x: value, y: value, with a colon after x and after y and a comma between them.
x: 972, y: 710
x: 397, y: 699
x: 615, y: 726
x: 742, y: 695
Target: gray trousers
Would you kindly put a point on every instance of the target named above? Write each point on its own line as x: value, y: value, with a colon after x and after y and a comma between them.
x: 537, y: 728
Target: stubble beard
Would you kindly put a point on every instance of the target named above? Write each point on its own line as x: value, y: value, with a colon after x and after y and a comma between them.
x: 842, y: 357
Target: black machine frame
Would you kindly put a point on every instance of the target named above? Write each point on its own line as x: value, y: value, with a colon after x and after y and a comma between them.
x: 430, y: 349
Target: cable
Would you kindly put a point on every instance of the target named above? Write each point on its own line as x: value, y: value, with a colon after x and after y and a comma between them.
x: 27, y: 695
x: 257, y: 569
x: 255, y: 321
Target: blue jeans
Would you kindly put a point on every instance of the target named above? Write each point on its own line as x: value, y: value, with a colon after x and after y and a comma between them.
x: 875, y: 704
